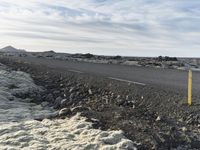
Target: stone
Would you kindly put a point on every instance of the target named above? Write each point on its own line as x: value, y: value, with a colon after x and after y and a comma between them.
x: 44, y: 104
x: 80, y: 109
x: 184, y: 129
x: 58, y: 99
x: 57, y: 102
x: 72, y: 96
x: 63, y: 103
x: 127, y: 97
x: 90, y: 91
x: 71, y: 90
x: 64, y: 112
x: 158, y: 118
x: 120, y: 101
x: 49, y: 97
x: 56, y: 92
x: 129, y: 103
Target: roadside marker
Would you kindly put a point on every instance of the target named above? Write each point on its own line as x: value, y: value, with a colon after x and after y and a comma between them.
x: 190, y: 88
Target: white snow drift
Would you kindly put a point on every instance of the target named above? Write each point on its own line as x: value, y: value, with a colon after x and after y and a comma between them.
x: 20, y: 131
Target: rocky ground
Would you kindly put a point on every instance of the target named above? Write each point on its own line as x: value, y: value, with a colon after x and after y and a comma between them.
x: 27, y: 122
x: 153, y: 118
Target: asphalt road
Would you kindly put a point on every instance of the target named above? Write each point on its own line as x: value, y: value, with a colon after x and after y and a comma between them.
x: 143, y: 76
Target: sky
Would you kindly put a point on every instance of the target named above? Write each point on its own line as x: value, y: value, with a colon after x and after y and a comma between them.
x: 105, y: 27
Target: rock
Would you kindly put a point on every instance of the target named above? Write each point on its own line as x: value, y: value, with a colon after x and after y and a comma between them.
x: 107, y: 101
x: 64, y: 112
x: 95, y: 123
x: 90, y: 91
x: 63, y: 103
x: 49, y: 98
x: 130, y: 103
x: 120, y: 101
x: 172, y: 129
x: 71, y: 90
x: 27, y: 100
x: 184, y: 129
x: 72, y: 96
x: 44, y: 104
x: 57, y: 102
x: 127, y: 97
x: 11, y: 98
x: 117, y: 116
x: 56, y: 92
x: 158, y: 118
x: 180, y: 120
x: 80, y: 109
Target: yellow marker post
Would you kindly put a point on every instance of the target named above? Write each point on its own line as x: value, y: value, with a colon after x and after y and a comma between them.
x: 190, y: 88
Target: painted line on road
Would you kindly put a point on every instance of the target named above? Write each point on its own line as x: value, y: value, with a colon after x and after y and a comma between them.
x: 76, y: 71
x: 123, y: 80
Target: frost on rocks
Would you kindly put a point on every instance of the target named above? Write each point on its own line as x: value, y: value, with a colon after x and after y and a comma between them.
x: 20, y: 131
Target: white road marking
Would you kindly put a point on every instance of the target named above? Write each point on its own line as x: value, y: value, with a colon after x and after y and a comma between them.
x: 76, y: 71
x: 123, y: 80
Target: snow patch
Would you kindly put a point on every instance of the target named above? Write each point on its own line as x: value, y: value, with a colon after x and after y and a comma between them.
x: 70, y: 133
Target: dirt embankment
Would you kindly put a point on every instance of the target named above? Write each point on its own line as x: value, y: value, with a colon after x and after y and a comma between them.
x: 156, y: 119
x: 25, y: 125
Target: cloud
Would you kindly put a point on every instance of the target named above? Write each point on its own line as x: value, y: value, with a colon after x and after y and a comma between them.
x: 128, y: 27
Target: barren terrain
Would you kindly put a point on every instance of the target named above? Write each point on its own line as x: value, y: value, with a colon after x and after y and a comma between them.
x: 152, y: 117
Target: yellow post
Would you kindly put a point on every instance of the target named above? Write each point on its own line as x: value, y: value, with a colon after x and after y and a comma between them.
x: 190, y: 88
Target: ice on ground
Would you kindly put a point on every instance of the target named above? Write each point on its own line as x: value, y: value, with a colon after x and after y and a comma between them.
x: 70, y: 133
x: 14, y: 83
x: 20, y: 131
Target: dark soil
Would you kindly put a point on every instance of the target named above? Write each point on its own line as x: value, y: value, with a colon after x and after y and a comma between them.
x: 154, y: 118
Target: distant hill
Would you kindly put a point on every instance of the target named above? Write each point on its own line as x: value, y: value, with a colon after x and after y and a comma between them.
x: 11, y: 49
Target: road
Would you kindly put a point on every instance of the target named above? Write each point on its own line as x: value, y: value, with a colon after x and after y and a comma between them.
x: 143, y: 76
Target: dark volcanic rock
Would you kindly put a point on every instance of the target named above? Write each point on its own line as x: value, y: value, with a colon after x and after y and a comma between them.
x: 64, y: 112
x: 57, y: 102
x: 49, y: 98
x: 63, y: 103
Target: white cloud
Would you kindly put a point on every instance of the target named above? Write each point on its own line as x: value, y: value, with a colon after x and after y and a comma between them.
x: 128, y: 27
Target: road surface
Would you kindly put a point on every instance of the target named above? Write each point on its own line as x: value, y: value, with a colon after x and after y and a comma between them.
x: 164, y: 78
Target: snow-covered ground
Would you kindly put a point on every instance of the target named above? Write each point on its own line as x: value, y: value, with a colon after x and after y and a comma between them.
x: 20, y: 130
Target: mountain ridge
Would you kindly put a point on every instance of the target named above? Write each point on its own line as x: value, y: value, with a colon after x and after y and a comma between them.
x: 11, y: 49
